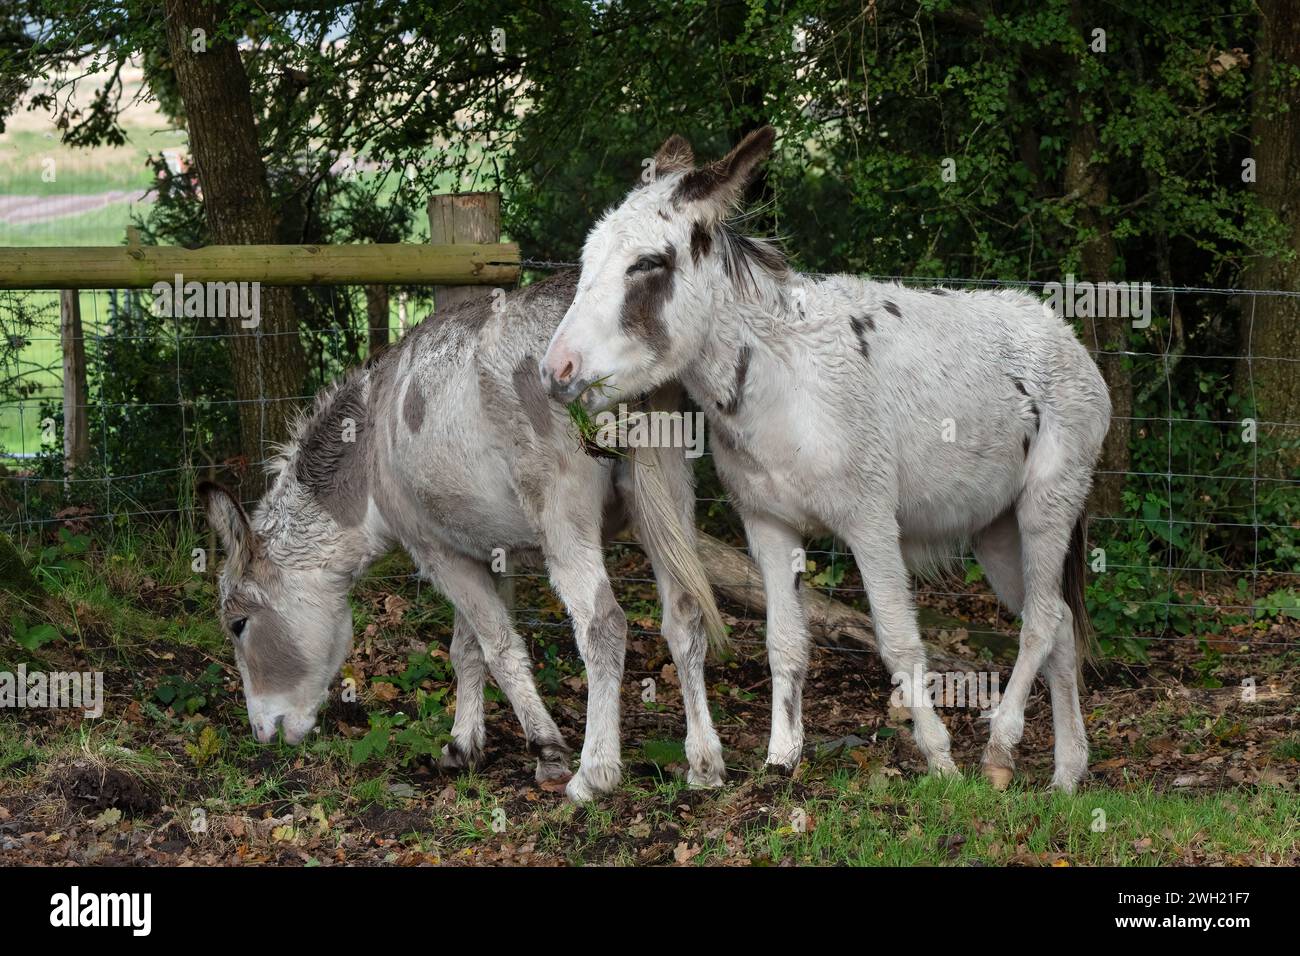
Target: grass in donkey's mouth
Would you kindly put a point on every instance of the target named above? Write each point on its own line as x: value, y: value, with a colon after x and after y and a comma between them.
x: 588, y: 428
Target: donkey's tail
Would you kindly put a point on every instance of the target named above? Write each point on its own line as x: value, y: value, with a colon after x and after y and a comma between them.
x: 1072, y: 586
x: 663, y: 491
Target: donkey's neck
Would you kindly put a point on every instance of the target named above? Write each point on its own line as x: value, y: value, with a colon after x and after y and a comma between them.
x: 319, y: 513
x: 759, y: 326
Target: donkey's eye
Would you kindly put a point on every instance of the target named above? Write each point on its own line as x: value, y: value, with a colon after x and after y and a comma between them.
x: 237, y: 626
x: 646, y: 264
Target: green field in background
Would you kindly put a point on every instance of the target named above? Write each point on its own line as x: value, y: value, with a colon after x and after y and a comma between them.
x: 80, y: 172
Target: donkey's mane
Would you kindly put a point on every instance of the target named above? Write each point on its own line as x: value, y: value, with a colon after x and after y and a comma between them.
x: 742, y: 255
x: 311, y: 453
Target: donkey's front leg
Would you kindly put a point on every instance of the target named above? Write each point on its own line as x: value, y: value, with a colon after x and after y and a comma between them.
x: 684, y: 633
x: 893, y: 617
x: 578, y: 572
x: 469, y: 587
x: 775, y: 546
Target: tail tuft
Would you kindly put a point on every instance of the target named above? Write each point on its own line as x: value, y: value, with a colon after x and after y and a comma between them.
x: 663, y: 493
x: 1073, y: 582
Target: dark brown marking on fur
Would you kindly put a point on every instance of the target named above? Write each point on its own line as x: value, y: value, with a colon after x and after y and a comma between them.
x: 741, y: 256
x: 732, y: 404
x: 1026, y: 446
x: 789, y: 709
x: 860, y: 327
x: 333, y: 469
x: 644, y: 302
x: 275, y: 665
x: 1033, y: 402
x: 674, y: 156
x: 732, y: 169
x: 701, y: 242
x: 893, y: 309
x: 413, y: 407
x: 528, y: 388
x: 549, y: 751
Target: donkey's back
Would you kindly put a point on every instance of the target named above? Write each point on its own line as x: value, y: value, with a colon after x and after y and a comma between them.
x: 463, y: 432
x: 973, y: 392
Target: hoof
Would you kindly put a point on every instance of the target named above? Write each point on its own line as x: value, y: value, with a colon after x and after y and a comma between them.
x: 592, y: 781
x: 456, y: 757
x: 943, y: 766
x: 554, y: 763
x: 706, y: 779
x: 999, y: 777
x: 1067, y: 784
x: 779, y: 769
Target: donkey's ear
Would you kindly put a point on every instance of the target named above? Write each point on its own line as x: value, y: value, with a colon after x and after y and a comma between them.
x: 674, y: 156
x: 722, y: 183
x: 226, y: 516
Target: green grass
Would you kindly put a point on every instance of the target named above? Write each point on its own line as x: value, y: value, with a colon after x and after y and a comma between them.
x: 24, y: 154
x: 892, y: 822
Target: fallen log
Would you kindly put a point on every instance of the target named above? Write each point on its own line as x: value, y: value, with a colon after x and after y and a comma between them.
x: 831, y: 622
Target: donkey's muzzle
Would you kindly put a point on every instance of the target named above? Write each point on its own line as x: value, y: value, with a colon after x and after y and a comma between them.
x: 565, y: 392
x: 561, y: 371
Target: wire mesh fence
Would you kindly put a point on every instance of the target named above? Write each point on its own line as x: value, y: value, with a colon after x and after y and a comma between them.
x: 1205, y: 548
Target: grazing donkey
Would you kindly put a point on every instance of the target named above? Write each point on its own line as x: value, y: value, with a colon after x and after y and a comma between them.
x: 903, y: 421
x: 447, y: 445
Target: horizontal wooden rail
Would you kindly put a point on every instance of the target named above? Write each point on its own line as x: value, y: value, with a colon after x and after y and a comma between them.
x: 141, y: 267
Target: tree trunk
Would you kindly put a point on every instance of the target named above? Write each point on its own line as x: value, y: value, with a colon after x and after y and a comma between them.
x: 1270, y: 324
x: 1088, y: 183
x: 376, y: 317
x: 267, y: 362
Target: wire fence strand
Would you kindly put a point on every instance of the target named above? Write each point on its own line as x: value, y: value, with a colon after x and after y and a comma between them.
x: 1209, y: 569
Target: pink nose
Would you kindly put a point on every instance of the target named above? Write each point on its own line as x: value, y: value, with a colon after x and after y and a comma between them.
x: 562, y: 373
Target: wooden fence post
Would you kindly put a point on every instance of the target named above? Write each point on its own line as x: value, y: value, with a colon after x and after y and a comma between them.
x: 76, y: 433
x: 463, y: 218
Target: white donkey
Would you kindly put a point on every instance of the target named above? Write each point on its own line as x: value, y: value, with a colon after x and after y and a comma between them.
x: 447, y: 445
x: 904, y: 421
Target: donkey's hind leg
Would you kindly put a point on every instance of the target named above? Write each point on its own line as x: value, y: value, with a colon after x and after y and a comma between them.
x: 469, y: 586
x: 468, y: 731
x: 999, y: 551
x: 1044, y: 521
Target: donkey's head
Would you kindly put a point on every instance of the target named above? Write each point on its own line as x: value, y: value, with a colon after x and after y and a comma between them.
x: 289, y: 622
x: 639, y: 316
